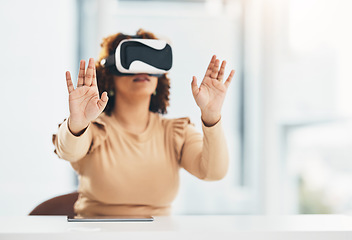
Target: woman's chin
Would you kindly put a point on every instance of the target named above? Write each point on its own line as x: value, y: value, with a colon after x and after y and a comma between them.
x: 141, y: 94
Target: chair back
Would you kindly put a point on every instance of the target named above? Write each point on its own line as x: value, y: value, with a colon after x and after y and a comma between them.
x: 60, y: 205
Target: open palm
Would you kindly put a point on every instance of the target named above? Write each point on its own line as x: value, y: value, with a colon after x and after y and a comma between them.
x: 212, y: 91
x: 84, y: 102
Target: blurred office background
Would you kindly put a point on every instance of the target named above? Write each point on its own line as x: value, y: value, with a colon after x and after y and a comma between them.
x: 287, y: 114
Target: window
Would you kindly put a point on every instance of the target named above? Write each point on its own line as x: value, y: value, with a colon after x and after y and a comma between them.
x: 304, y: 81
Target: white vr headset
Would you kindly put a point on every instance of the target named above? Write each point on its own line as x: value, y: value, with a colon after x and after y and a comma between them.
x: 133, y: 56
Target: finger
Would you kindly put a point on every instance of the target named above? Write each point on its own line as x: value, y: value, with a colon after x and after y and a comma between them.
x: 103, y: 101
x: 69, y: 83
x: 195, y: 89
x: 215, y: 70
x: 81, y: 73
x: 89, y: 74
x: 210, y: 66
x: 94, y: 83
x: 222, y: 71
x: 229, y: 79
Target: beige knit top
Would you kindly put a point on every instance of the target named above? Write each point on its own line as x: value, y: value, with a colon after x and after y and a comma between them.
x: 121, y: 173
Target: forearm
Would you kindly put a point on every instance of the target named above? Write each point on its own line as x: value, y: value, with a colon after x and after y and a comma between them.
x: 71, y: 147
x: 215, y: 159
x: 206, y: 157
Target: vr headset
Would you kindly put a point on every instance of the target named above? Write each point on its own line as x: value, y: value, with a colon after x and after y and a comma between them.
x: 133, y: 56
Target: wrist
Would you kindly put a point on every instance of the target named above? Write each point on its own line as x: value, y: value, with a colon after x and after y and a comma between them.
x: 210, y: 119
x: 76, y: 127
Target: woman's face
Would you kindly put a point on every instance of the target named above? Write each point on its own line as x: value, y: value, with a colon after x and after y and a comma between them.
x: 137, y: 85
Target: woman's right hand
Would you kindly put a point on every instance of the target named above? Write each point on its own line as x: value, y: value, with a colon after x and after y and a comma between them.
x: 84, y: 102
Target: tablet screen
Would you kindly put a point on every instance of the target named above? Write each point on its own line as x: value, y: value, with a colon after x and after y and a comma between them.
x: 110, y: 219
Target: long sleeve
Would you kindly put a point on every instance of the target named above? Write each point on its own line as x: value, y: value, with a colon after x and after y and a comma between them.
x: 69, y: 146
x: 206, y: 157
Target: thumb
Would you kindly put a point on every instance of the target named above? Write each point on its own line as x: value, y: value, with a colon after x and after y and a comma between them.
x: 195, y: 89
x: 103, y: 101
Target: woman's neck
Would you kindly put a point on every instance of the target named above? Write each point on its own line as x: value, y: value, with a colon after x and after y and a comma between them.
x: 132, y: 114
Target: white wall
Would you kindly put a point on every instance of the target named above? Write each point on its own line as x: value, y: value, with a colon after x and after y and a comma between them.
x: 37, y: 45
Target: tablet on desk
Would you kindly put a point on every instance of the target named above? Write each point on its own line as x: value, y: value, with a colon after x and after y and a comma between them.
x: 110, y: 219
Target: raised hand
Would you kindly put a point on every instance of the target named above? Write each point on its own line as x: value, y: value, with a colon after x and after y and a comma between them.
x: 212, y: 91
x: 84, y: 102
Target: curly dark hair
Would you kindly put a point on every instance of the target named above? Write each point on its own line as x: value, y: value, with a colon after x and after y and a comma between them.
x: 105, y: 76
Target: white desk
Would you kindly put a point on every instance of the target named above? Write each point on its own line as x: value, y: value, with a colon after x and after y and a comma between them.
x: 302, y: 227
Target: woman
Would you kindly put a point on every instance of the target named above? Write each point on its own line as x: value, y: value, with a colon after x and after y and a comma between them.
x: 126, y: 154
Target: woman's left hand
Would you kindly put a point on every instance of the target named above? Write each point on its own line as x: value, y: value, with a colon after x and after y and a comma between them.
x: 212, y: 91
